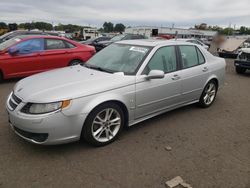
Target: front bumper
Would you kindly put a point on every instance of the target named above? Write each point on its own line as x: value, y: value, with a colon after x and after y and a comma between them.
x: 227, y: 54
x: 50, y: 129
x: 242, y: 64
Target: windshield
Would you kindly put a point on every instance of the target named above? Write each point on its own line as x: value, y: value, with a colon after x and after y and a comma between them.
x: 117, y: 38
x: 119, y: 58
x: 5, y: 35
x: 9, y: 43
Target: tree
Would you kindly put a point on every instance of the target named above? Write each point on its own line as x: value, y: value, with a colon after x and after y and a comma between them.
x: 3, y: 25
x: 108, y: 27
x: 12, y: 26
x: 119, y: 27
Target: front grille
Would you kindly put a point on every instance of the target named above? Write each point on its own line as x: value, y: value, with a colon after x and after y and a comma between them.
x: 38, y: 137
x: 14, y: 101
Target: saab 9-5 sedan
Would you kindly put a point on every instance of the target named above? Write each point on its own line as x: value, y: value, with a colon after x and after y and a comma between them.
x: 126, y: 83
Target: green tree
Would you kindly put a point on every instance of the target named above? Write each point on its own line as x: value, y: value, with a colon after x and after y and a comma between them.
x: 119, y: 27
x: 3, y: 25
x: 108, y: 27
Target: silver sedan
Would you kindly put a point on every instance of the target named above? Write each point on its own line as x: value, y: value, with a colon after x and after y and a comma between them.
x: 126, y: 83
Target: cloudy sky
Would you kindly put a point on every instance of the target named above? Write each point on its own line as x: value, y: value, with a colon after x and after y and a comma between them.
x: 182, y: 13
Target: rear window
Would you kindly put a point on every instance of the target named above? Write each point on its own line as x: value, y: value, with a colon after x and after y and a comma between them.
x: 55, y: 44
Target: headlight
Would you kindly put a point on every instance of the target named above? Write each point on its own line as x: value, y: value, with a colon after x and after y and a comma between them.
x: 43, y: 108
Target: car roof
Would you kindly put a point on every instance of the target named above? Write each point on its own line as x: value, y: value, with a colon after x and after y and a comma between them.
x: 184, y: 39
x: 153, y: 43
x: 38, y: 36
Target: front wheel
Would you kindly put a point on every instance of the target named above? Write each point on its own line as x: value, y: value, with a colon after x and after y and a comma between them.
x: 103, y: 124
x: 240, y: 70
x: 208, y: 95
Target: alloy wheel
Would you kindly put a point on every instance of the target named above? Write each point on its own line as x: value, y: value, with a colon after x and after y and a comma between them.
x: 210, y: 93
x: 106, y: 125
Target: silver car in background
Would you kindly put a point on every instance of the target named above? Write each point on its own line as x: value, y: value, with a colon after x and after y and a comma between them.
x: 125, y: 83
x: 194, y: 41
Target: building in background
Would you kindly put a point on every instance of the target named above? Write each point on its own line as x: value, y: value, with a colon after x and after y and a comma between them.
x: 150, y: 31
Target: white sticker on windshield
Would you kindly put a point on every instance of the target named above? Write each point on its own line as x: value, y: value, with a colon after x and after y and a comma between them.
x: 138, y: 49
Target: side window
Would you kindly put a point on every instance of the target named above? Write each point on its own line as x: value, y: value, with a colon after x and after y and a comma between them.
x: 164, y: 59
x: 69, y: 45
x: 200, y: 56
x: 30, y: 46
x: 189, y: 56
x: 55, y: 44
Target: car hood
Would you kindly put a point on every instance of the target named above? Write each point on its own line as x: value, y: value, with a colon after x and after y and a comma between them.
x: 86, y: 42
x: 108, y: 42
x: 69, y: 83
x: 232, y: 44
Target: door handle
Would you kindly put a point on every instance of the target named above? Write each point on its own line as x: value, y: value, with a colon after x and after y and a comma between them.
x: 205, y: 69
x: 176, y: 77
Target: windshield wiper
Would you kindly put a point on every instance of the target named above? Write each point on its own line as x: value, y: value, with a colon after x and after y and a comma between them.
x: 97, y: 68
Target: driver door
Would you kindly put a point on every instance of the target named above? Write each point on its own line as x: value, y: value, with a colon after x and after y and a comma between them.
x: 159, y: 94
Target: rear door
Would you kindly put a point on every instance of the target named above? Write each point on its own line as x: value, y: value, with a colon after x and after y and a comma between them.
x: 57, y: 54
x: 194, y: 73
x: 27, y: 60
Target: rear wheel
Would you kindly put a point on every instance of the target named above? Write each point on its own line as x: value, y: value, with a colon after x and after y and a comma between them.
x: 103, y: 124
x: 208, y: 95
x: 75, y: 62
x: 240, y: 70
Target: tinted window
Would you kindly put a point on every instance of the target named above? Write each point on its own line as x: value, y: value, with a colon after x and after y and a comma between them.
x: 52, y: 44
x: 189, y: 56
x: 200, y: 56
x: 30, y: 46
x: 69, y: 45
x: 164, y: 59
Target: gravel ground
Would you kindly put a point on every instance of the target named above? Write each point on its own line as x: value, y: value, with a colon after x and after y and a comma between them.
x: 208, y: 148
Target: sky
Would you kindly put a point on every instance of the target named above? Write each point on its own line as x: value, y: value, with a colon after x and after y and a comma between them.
x: 165, y: 13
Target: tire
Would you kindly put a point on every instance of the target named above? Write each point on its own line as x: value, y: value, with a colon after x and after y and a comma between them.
x: 1, y: 76
x: 240, y: 70
x: 75, y: 62
x: 209, y: 94
x: 103, y: 132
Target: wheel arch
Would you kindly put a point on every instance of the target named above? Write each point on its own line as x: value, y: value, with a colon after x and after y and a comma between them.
x: 1, y: 74
x: 117, y: 102
x: 214, y: 78
x: 76, y: 58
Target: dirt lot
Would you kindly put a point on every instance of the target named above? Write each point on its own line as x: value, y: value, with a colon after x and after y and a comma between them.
x: 210, y: 149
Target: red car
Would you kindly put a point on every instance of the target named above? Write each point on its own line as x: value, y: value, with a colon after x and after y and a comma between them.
x: 27, y: 55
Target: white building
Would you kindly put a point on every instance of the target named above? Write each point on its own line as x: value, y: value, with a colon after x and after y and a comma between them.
x: 150, y: 31
x: 89, y: 33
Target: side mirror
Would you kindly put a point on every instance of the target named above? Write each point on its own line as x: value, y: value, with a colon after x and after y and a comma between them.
x: 155, y: 74
x: 13, y: 50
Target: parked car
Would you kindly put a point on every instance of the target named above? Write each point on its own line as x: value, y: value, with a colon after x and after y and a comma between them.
x: 123, y: 84
x: 242, y: 63
x: 25, y: 55
x: 13, y: 34
x: 194, y: 41
x: 231, y: 47
x: 206, y: 41
x: 94, y: 42
x: 100, y: 45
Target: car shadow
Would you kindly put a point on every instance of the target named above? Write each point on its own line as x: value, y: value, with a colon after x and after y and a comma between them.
x: 11, y: 80
x: 82, y: 145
